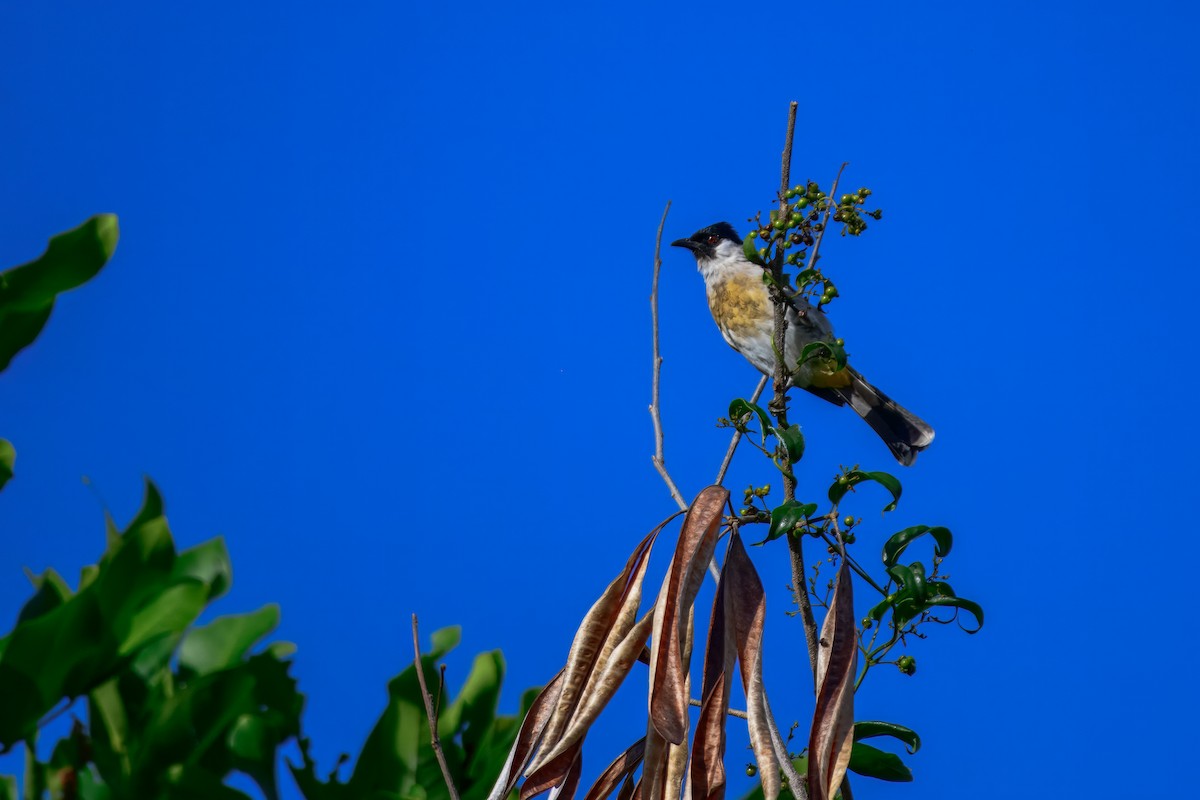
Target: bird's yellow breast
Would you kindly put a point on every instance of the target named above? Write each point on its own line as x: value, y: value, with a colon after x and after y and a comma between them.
x: 740, y: 303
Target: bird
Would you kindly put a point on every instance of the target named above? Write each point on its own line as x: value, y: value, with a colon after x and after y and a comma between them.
x: 742, y: 308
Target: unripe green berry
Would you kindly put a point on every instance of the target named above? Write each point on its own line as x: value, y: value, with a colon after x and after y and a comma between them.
x: 907, y: 665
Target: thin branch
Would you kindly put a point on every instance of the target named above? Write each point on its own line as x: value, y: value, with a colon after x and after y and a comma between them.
x: 782, y: 373
x: 733, y: 712
x: 778, y: 405
x: 800, y: 595
x: 812, y: 257
x: 797, y: 784
x: 737, y: 435
x: 655, y: 414
x: 431, y: 714
x: 785, y: 170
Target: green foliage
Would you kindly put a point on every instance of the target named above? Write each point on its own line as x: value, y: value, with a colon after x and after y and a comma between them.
x: 173, y: 708
x: 789, y: 446
x: 27, y: 295
x: 139, y: 596
x: 397, y: 761
x: 156, y: 728
x: 27, y: 292
x: 909, y: 596
x: 7, y: 457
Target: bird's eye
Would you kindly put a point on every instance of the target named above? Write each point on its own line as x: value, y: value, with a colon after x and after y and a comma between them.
x: 713, y: 238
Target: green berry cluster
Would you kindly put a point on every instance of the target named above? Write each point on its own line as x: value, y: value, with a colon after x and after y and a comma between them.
x: 751, y: 494
x: 849, y: 214
x: 797, y: 224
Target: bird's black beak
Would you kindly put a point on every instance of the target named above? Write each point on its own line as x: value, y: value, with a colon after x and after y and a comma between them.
x: 687, y: 243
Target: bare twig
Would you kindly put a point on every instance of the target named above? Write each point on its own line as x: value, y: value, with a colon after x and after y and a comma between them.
x: 655, y: 414
x: 431, y: 714
x: 797, y: 784
x: 737, y: 435
x: 803, y: 602
x: 812, y: 257
x: 733, y: 712
x: 785, y: 170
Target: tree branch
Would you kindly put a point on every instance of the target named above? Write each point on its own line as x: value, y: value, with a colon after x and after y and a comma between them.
x: 737, y: 435
x: 778, y: 403
x: 733, y: 712
x: 431, y: 714
x: 812, y: 257
x: 655, y: 414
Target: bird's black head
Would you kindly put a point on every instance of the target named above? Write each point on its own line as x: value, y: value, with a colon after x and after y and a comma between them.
x: 704, y: 242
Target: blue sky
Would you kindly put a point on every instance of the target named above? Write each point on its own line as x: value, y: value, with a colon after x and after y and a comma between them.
x: 379, y: 317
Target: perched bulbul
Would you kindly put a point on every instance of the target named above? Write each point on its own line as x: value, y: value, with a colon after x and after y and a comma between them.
x: 742, y: 307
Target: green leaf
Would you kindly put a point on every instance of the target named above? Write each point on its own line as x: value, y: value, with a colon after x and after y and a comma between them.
x: 852, y: 478
x: 739, y: 408
x: 870, y: 728
x: 895, y: 545
x: 152, y: 507
x: 91, y: 788
x: 874, y: 763
x: 793, y: 440
x: 392, y: 754
x: 225, y: 641
x: 129, y: 615
x: 815, y: 350
x: 18, y: 329
x: 751, y: 252
x: 8, y: 787
x: 171, y: 612
x: 109, y: 728
x: 8, y: 456
x: 477, y: 702
x: 52, y: 592
x: 785, y: 517
x: 27, y: 292
x: 193, y: 783
x: 71, y: 259
x: 208, y: 563
x: 879, y: 609
x: 966, y: 605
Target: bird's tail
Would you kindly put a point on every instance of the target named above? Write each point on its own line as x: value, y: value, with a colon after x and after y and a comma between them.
x: 902, y: 431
